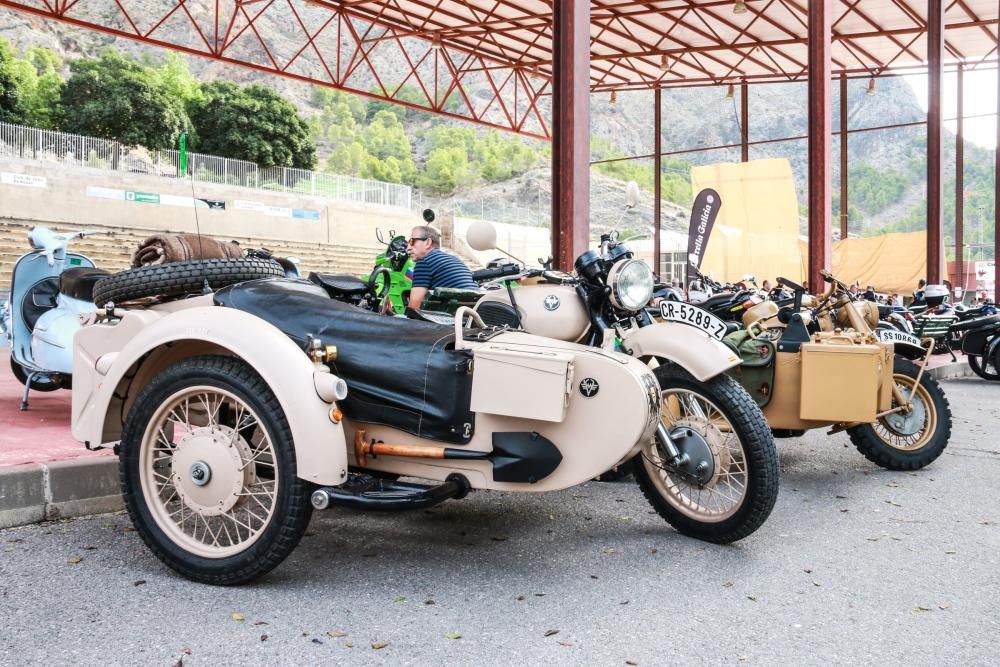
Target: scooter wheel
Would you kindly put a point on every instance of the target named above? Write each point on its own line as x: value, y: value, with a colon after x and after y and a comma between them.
x: 38, y: 384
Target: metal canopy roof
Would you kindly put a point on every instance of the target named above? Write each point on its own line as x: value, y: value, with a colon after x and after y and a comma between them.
x: 490, y: 61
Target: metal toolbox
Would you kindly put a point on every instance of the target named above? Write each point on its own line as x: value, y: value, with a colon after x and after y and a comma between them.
x: 840, y: 381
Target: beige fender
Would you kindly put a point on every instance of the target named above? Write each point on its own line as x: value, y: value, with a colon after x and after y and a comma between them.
x: 695, y: 351
x: 104, y: 353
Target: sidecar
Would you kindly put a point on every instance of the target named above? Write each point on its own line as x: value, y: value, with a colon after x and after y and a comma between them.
x: 234, y: 414
x: 816, y: 368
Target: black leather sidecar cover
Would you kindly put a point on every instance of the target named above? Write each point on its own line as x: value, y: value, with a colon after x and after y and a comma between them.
x: 399, y: 372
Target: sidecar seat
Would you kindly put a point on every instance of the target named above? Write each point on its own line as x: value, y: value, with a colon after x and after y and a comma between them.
x: 399, y: 372
x: 339, y: 284
x: 78, y: 282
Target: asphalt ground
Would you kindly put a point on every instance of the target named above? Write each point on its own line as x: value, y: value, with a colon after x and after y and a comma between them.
x: 855, y: 565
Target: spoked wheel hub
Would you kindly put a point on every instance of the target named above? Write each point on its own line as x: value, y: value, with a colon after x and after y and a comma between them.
x: 905, y: 423
x: 697, y: 462
x: 209, y: 469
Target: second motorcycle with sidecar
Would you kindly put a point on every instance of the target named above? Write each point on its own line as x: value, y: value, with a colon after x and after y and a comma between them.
x: 237, y: 413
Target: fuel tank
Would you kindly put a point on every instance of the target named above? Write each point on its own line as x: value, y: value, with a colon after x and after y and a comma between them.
x: 553, y: 311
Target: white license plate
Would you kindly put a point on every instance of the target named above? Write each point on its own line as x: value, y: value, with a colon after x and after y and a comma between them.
x: 685, y: 313
x: 895, y: 336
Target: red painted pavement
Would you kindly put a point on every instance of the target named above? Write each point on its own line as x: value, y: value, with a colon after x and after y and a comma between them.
x: 43, y: 432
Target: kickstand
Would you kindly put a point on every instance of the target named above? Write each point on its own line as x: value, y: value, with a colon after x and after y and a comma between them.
x: 27, y: 388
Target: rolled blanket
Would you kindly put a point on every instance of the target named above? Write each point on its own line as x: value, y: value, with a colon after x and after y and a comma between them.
x: 166, y: 248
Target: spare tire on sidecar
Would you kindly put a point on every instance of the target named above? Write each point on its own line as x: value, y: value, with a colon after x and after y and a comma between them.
x: 181, y: 278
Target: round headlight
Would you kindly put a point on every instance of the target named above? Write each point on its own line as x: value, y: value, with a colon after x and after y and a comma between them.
x: 631, y: 284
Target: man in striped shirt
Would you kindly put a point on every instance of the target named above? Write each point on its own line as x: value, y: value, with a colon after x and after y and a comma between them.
x: 434, y: 268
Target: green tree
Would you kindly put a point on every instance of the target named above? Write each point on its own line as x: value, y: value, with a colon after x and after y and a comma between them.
x: 117, y: 98
x: 384, y: 138
x: 252, y: 123
x: 13, y: 102
x: 446, y: 170
x: 44, y: 88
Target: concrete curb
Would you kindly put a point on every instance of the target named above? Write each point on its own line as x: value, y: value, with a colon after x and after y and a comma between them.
x: 40, y: 491
x: 952, y: 371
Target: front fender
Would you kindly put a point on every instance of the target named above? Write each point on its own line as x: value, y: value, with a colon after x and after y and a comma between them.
x: 107, y: 355
x: 695, y: 351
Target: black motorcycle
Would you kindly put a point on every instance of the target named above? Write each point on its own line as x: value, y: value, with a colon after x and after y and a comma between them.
x: 980, y: 341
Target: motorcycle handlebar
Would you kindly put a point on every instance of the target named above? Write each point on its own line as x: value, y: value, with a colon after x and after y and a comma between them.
x: 494, y: 273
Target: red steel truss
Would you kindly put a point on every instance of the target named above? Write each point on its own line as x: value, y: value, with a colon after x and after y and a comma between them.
x: 441, y: 55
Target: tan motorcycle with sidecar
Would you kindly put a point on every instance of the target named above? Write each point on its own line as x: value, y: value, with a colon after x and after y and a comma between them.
x: 237, y: 413
x: 823, y: 362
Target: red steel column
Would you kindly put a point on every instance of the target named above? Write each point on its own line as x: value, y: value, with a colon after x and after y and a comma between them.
x: 657, y: 176
x: 843, y: 156
x: 960, y: 182
x: 935, y: 54
x: 744, y: 119
x: 570, y: 131
x: 820, y: 28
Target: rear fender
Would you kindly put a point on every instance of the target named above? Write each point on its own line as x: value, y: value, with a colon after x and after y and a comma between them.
x: 112, y: 363
x: 695, y: 351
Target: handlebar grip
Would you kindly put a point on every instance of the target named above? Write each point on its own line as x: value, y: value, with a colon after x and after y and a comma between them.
x: 497, y: 272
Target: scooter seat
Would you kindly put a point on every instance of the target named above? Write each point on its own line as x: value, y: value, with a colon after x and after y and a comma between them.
x: 978, y: 323
x: 339, y: 284
x: 716, y: 300
x: 78, y: 282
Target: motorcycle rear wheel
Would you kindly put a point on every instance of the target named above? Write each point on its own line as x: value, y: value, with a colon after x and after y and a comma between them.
x: 741, y: 492
x: 885, y: 445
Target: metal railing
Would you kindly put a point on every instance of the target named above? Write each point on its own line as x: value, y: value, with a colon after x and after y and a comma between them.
x: 77, y: 150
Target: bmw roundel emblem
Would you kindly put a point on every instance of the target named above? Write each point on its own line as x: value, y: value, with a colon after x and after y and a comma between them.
x: 589, y: 387
x: 551, y: 302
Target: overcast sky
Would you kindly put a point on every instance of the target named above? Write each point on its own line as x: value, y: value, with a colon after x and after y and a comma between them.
x: 980, y: 98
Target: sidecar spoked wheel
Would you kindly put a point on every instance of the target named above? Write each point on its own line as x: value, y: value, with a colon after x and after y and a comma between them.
x: 908, y: 441
x: 718, y: 423
x: 208, y: 472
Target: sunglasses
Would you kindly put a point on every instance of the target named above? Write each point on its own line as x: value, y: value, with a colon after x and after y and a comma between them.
x: 415, y: 239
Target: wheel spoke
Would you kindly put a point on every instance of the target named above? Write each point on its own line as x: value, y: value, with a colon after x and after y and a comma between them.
x: 229, y: 511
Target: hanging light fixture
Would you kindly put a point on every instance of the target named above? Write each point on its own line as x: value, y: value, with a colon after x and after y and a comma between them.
x: 730, y: 92
x: 664, y: 62
x: 739, y: 7
x: 614, y: 97
x: 436, y: 42
x: 871, y: 86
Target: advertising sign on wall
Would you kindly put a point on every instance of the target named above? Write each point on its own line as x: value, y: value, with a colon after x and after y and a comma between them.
x: 276, y: 211
x: 24, y: 180
x: 154, y: 198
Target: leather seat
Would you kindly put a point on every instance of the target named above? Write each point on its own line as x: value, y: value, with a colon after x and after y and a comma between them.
x: 339, y: 284
x: 715, y: 300
x: 78, y: 282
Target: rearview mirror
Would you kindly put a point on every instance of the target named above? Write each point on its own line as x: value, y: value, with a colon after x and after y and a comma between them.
x: 631, y: 194
x: 481, y: 235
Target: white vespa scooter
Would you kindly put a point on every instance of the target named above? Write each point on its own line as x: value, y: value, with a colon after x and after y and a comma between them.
x: 50, y: 288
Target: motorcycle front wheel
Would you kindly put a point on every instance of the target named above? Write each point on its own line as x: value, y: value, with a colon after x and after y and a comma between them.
x: 730, y: 486
x: 908, y: 441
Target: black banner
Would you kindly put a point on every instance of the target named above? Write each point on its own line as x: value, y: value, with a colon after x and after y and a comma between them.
x: 706, y: 208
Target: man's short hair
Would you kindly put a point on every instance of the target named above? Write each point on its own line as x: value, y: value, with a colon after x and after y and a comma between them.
x: 431, y: 233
